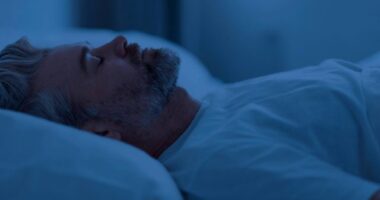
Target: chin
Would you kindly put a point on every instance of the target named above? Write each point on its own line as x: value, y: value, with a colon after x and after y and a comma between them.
x: 163, y: 71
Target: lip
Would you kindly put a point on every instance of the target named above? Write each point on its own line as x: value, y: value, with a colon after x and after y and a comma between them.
x: 143, y: 54
x: 133, y: 52
x: 149, y: 54
x: 125, y: 44
x: 119, y: 43
x: 124, y: 47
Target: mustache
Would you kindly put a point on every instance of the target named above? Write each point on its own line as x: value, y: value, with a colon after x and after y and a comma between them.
x: 162, y: 66
x: 134, y: 53
x: 158, y: 62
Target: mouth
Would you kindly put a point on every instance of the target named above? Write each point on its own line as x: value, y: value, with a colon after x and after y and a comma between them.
x: 133, y: 53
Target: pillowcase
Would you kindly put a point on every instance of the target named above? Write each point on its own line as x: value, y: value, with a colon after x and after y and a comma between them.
x: 371, y: 61
x: 44, y: 160
x: 193, y: 75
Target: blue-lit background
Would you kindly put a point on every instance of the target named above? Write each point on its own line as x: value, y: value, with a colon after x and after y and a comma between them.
x: 236, y: 39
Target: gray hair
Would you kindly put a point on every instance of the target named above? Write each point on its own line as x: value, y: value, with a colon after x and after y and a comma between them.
x: 18, y: 63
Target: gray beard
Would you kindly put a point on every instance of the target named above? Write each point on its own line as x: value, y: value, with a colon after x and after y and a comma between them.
x: 162, y: 78
x: 135, y: 110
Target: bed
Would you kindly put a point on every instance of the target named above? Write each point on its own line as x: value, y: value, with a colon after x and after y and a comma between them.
x: 44, y: 160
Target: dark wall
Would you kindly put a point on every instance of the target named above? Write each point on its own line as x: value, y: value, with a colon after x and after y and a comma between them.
x: 157, y: 17
x: 240, y: 39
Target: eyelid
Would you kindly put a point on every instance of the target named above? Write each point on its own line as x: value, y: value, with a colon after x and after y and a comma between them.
x: 94, y: 62
x: 101, y: 59
x: 83, y: 60
x: 91, y: 57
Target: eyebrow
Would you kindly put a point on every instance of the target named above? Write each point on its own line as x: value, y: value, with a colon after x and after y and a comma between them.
x: 82, y: 58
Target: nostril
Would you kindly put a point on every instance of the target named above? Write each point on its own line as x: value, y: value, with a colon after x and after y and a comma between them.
x: 134, y: 53
x: 125, y: 44
x: 120, y: 44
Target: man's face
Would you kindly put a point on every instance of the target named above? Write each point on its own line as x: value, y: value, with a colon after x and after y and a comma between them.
x: 128, y: 86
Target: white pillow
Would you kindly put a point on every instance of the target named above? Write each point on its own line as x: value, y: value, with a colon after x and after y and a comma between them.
x: 193, y: 74
x: 371, y: 61
x: 43, y: 160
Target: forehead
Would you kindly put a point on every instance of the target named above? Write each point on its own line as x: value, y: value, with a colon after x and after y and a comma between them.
x: 67, y: 54
x: 58, y: 67
x: 65, y: 49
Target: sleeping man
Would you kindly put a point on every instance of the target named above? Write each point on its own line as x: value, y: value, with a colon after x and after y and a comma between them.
x: 312, y: 133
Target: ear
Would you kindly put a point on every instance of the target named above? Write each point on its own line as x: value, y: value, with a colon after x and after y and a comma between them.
x: 102, y: 128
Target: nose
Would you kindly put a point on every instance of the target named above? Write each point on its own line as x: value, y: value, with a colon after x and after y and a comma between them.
x: 116, y: 46
x: 119, y: 42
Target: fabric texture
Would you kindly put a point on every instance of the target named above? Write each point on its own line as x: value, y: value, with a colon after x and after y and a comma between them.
x: 44, y: 160
x: 309, y: 134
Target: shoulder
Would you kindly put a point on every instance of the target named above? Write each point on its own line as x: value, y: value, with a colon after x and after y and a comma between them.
x: 376, y: 196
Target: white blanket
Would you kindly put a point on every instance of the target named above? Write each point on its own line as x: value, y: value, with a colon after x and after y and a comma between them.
x: 308, y: 134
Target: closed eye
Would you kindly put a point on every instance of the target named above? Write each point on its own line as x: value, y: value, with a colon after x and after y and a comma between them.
x: 88, y: 61
x: 93, y: 62
x: 98, y: 59
x: 101, y: 60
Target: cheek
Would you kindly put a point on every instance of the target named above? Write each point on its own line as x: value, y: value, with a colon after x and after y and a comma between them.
x: 119, y: 74
x: 61, y: 77
x: 122, y: 71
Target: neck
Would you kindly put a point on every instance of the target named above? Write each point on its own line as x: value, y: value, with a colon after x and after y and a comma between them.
x: 172, y: 122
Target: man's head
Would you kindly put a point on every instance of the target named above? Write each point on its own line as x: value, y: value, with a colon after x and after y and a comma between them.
x: 104, y: 89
